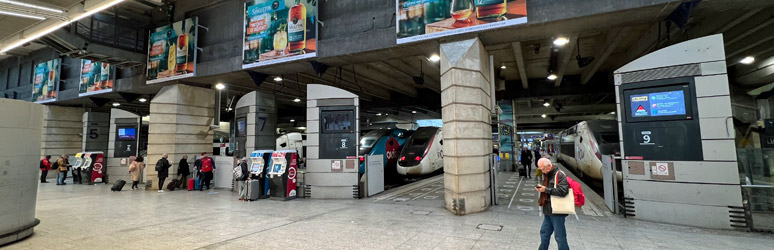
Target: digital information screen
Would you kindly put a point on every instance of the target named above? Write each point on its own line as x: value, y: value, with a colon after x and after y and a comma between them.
x: 337, y: 121
x: 658, y: 104
x: 127, y: 133
x: 242, y: 127
x: 277, y: 168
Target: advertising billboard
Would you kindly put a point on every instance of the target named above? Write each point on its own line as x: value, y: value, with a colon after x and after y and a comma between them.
x: 428, y: 19
x: 96, y: 77
x: 277, y: 31
x: 172, y: 51
x: 45, y: 83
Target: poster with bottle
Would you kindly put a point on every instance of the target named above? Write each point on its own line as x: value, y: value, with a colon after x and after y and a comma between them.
x: 429, y: 19
x: 96, y: 78
x: 45, y: 82
x: 172, y: 51
x: 278, y: 31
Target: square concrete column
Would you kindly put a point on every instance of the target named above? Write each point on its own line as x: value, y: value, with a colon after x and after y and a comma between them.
x: 62, y: 128
x: 96, y: 131
x: 467, y: 131
x: 180, y: 119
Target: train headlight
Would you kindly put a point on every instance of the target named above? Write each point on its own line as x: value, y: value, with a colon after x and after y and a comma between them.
x: 418, y: 158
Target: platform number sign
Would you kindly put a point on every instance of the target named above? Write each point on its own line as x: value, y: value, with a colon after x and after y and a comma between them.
x: 93, y: 133
x: 646, y: 138
x: 263, y: 122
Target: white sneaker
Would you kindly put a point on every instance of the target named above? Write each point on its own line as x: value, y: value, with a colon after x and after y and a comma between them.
x: 161, y: 191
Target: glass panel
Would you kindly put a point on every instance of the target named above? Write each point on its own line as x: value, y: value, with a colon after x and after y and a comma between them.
x: 756, y: 168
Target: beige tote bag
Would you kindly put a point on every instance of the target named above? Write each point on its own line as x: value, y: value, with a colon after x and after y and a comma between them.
x: 562, y: 205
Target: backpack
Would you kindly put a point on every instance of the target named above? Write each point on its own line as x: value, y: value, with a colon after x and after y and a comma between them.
x: 55, y: 165
x: 237, y: 172
x: 577, y: 190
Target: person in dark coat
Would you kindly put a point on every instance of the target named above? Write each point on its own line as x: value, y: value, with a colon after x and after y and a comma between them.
x: 537, y: 156
x: 552, y: 223
x: 242, y: 181
x: 162, y: 167
x: 526, y: 160
x: 183, y: 170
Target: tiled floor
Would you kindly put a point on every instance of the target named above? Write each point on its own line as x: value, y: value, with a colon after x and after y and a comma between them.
x: 92, y: 217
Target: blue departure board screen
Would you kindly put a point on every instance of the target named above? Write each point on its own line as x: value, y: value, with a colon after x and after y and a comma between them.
x: 658, y: 104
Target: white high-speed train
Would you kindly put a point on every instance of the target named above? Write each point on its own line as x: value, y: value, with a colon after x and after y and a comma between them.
x: 581, y: 146
x: 423, y: 152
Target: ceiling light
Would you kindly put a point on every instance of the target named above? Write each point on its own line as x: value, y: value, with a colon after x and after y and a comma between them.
x: 552, y: 77
x: 748, y: 60
x: 220, y: 86
x: 292, y: 120
x: 58, y: 26
x: 21, y: 15
x: 277, y: 79
x: 612, y: 113
x: 543, y: 115
x: 547, y: 104
x: 414, y: 112
x: 378, y: 114
x: 115, y: 104
x: 503, y: 67
x: 296, y: 100
x: 561, y: 41
x: 30, y: 6
x: 434, y: 58
x: 143, y: 100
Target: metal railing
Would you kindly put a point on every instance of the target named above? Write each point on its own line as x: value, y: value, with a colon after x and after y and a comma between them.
x: 108, y: 31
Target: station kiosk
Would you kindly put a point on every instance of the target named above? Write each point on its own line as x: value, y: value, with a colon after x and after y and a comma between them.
x: 94, y: 167
x: 78, y: 168
x: 282, y: 174
x: 259, y: 159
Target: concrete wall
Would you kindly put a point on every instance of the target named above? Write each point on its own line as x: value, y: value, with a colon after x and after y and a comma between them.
x: 62, y: 128
x: 19, y: 156
x: 96, y: 132
x: 180, y: 119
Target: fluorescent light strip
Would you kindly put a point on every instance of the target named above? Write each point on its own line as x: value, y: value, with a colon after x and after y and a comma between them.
x: 57, y: 26
x: 31, y: 6
x: 21, y: 15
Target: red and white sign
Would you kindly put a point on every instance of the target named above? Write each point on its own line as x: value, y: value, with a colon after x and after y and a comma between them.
x: 661, y: 168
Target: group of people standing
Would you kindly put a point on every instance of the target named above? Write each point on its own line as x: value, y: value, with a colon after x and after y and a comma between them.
x: 61, y: 166
x: 203, y: 167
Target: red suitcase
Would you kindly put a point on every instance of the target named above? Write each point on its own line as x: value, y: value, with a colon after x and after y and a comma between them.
x: 191, y: 184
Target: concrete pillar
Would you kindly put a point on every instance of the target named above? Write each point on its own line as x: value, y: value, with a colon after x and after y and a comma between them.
x: 62, y: 128
x: 260, y: 111
x: 96, y: 132
x: 115, y: 169
x: 467, y: 131
x: 19, y: 155
x: 180, y: 119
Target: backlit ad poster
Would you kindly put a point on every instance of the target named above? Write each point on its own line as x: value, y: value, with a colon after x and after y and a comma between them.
x: 278, y: 31
x: 45, y: 82
x: 172, y: 51
x: 506, y: 127
x: 96, y: 77
x: 428, y: 19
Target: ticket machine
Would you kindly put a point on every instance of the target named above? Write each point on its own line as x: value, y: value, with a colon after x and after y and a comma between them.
x: 78, y: 168
x: 94, y: 167
x: 282, y: 174
x: 259, y: 159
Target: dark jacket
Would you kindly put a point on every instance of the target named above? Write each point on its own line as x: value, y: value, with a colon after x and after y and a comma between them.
x: 245, y: 172
x: 561, y: 190
x: 162, y: 166
x: 182, y: 168
x: 537, y: 156
x: 526, y: 157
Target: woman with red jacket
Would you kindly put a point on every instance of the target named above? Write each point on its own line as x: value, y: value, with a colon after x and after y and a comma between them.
x: 45, y: 165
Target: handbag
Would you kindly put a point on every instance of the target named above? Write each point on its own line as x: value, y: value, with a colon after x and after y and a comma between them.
x: 562, y: 205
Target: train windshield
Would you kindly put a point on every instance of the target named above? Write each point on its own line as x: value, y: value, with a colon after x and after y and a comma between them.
x: 422, y: 137
x: 606, y: 133
x: 370, y: 139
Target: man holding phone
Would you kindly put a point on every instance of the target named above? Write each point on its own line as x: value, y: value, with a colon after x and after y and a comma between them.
x: 552, y: 223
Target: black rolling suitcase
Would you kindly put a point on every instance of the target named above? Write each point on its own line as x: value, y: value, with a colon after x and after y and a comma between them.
x: 173, y: 184
x: 522, y: 171
x: 118, y: 185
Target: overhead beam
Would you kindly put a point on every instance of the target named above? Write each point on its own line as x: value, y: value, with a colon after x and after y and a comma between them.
x: 405, y: 69
x: 577, y: 109
x: 578, y: 118
x: 601, y: 53
x: 330, y: 80
x: 520, y: 65
x: 564, y: 59
x: 365, y: 73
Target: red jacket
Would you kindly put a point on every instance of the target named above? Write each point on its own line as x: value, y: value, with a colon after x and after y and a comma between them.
x: 207, y: 164
x: 45, y: 164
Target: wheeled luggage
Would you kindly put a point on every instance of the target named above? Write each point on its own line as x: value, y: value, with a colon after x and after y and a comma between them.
x: 173, y: 184
x: 119, y: 185
x: 522, y: 172
x: 253, y: 190
x: 191, y: 184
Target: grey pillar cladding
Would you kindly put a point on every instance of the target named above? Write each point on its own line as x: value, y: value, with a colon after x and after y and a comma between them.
x: 118, y: 118
x: 96, y: 132
x: 465, y: 102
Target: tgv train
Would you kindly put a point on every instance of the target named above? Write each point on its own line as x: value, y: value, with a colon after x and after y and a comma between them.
x: 423, y: 153
x: 385, y: 142
x: 581, y: 146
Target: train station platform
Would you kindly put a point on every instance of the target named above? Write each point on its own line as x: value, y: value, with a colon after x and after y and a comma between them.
x: 92, y: 217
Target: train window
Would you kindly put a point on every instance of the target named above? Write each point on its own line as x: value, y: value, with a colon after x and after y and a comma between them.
x: 419, y: 141
x: 581, y: 139
x: 367, y: 142
x: 440, y: 142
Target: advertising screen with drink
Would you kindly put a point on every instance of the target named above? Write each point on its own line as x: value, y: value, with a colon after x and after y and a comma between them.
x: 45, y: 83
x: 96, y: 77
x: 278, y: 31
x: 172, y: 51
x: 427, y: 19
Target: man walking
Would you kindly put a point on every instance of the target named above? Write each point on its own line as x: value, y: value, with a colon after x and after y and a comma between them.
x: 45, y: 165
x: 162, y: 167
x: 552, y: 223
x: 207, y: 166
x: 526, y: 161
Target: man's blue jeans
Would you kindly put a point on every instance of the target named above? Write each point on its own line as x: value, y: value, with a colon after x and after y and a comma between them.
x: 60, y: 178
x: 555, y: 225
